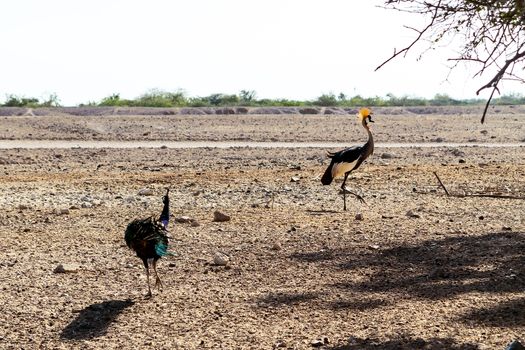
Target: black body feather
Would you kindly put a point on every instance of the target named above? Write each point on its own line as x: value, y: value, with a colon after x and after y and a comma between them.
x: 347, y: 155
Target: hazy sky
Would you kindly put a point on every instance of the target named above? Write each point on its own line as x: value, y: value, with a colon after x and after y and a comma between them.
x: 296, y: 49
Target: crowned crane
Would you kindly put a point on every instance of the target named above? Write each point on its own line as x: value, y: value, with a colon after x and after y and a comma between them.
x: 149, y: 239
x: 351, y: 158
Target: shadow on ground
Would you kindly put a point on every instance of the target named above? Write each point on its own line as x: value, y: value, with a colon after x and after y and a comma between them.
x: 94, y: 320
x: 432, y: 269
x: 508, y: 314
x: 405, y: 344
x: 444, y: 268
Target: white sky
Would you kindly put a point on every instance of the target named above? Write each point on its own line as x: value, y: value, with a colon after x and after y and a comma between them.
x: 295, y: 49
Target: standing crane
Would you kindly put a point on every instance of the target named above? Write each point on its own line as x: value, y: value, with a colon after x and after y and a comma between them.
x: 351, y: 158
x: 149, y: 239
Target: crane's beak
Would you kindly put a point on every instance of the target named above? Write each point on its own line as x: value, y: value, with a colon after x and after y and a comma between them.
x: 370, y: 119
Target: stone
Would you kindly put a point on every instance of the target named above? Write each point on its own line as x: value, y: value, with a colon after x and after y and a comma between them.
x: 145, y: 192
x: 220, y: 259
x: 66, y: 268
x: 387, y: 156
x: 359, y: 216
x: 183, y: 219
x: 62, y: 211
x: 411, y: 214
x: 220, y: 217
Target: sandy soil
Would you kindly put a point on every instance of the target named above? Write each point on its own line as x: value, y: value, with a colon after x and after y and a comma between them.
x: 420, y: 271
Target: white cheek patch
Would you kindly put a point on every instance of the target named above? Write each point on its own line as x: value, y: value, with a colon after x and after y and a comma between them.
x: 340, y: 169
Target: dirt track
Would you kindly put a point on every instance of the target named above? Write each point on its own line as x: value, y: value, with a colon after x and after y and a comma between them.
x: 420, y: 271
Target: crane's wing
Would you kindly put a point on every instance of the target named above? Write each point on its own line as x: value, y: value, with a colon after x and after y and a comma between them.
x: 342, y: 162
x: 347, y: 155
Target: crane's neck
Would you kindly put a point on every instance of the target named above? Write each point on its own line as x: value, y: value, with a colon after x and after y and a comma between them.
x: 370, y: 141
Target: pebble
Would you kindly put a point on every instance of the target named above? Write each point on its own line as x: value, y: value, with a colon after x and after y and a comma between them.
x: 145, y: 192
x: 62, y: 211
x: 319, y: 342
x: 66, y: 268
x: 387, y: 156
x: 359, y: 216
x: 276, y: 246
x: 295, y: 179
x: 183, y: 219
x: 220, y: 217
x: 411, y: 214
x: 220, y: 259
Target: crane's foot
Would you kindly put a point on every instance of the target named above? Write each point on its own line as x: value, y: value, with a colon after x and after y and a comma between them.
x: 361, y: 199
x: 149, y: 295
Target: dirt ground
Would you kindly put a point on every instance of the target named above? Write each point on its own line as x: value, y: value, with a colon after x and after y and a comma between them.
x: 420, y: 270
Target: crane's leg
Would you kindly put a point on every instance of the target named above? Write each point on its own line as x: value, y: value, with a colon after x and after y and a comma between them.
x: 146, y: 265
x: 346, y: 190
x: 158, y: 282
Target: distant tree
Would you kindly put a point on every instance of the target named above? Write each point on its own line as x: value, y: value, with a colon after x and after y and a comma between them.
x: 112, y: 100
x: 491, y: 31
x: 51, y: 101
x: 247, y: 96
x: 16, y: 101
x: 326, y: 100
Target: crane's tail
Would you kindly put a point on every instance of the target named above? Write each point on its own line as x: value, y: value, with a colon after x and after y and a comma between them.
x: 327, y: 176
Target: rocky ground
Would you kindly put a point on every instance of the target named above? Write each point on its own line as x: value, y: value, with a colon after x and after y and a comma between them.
x: 412, y: 268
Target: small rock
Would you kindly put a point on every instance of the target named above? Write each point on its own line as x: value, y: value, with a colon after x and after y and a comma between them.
x: 86, y: 205
x: 145, y: 192
x: 62, y: 211
x: 462, y: 161
x: 183, y: 219
x: 506, y: 228
x: 195, y: 223
x: 23, y: 207
x: 86, y: 199
x: 66, y: 268
x: 484, y: 132
x: 276, y: 246
x: 295, y: 179
x: 220, y: 217
x: 221, y: 259
x: 359, y: 216
x: 320, y: 342
x: 374, y: 246
x: 411, y: 214
x: 387, y: 156
x: 279, y: 344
